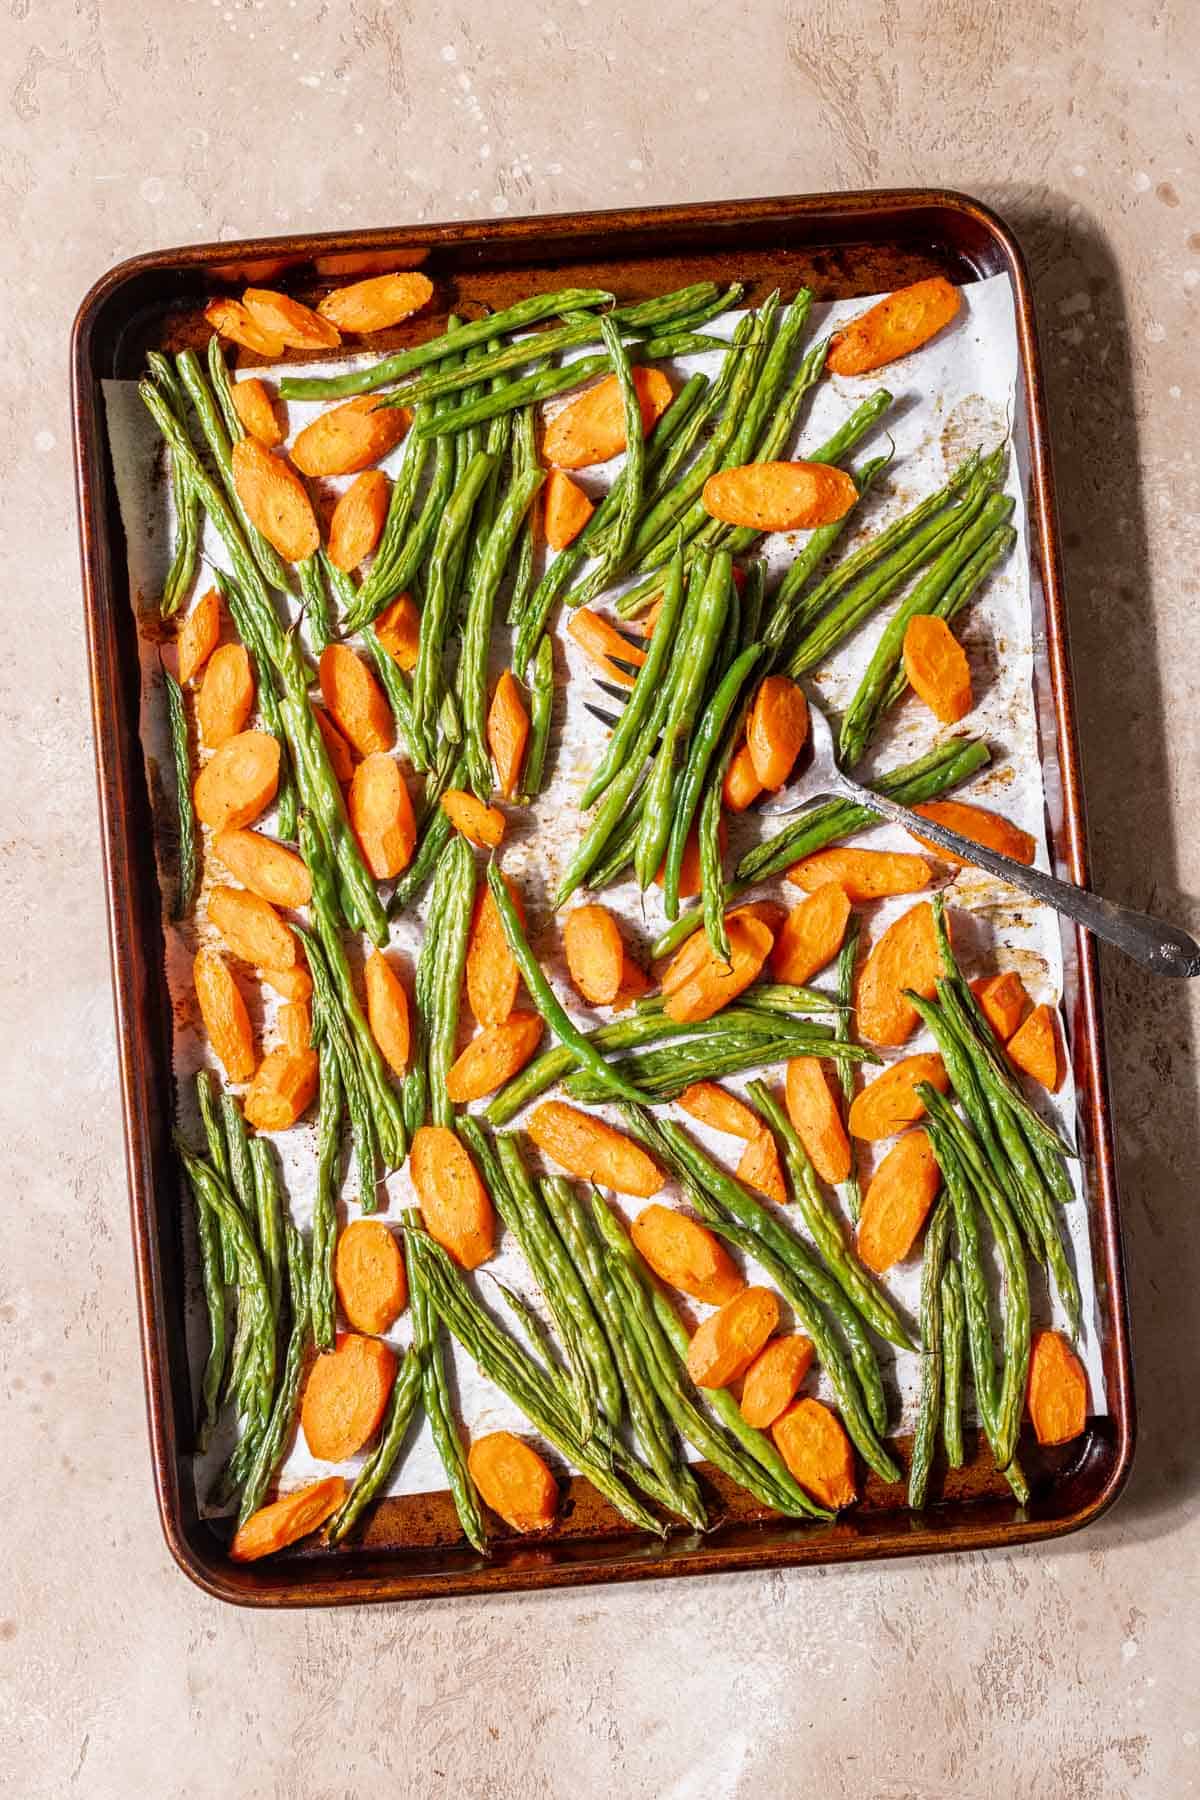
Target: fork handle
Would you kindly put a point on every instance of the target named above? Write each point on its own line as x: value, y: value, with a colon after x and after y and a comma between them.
x: 1164, y: 949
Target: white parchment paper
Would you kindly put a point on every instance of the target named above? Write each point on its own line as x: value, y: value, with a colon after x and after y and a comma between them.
x: 959, y: 392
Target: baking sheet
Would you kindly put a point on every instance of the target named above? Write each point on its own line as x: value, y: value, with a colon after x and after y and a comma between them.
x: 959, y: 392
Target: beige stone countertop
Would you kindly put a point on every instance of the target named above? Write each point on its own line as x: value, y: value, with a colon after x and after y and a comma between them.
x: 1060, y: 1673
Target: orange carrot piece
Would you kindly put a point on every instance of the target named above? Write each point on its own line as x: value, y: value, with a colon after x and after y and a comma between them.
x: 286, y: 1521
x: 292, y: 984
x: 275, y: 500
x: 594, y: 1150
x: 381, y: 815
x: 714, y: 984
x: 224, y: 1013
x: 817, y: 1451
x: 297, y: 325
x: 493, y: 979
x: 602, y: 641
x: 356, y: 701
x: 779, y: 496
x: 693, y: 956
x: 817, y: 1121
x: 479, y: 824
x: 897, y: 1202
x: 295, y: 1026
x: 231, y: 320
x: 346, y: 1395
x: 494, y: 1057
x: 514, y: 1481
x: 634, y: 983
x: 725, y: 1345
x: 893, y: 327
x: 369, y: 1276
x: 341, y: 757
x: 1003, y: 1000
x: 252, y: 928
x: 268, y: 869
x: 686, y: 1255
x: 714, y: 1106
x: 226, y: 697
x: 454, y: 1202
x: 253, y: 406
x: 777, y: 729
x: 1034, y: 1048
x: 398, y: 629
x: 811, y: 935
x: 937, y: 667
x: 566, y: 509
x: 591, y: 429
x: 980, y: 825
x: 354, y: 529
x: 283, y: 1089
x: 595, y: 954
x: 377, y: 303
x: 239, y: 782
x: 865, y: 874
x: 387, y: 1012
x: 773, y: 1379
x: 759, y: 1167
x: 906, y: 956
x: 350, y: 437
x: 199, y: 635
x: 742, y: 786
x: 689, y: 868
x: 888, y: 1104
x: 1057, y: 1389
x: 508, y: 733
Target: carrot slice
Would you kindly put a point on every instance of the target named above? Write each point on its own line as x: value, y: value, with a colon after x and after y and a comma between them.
x: 1057, y: 1390
x: 715, y: 1106
x: 226, y: 697
x: 777, y: 729
x: 275, y: 500
x: 811, y: 935
x: 253, y: 406
x: 369, y: 1275
x: 591, y: 428
x: 815, y: 1448
x: 602, y: 641
x: 742, y: 786
x: 341, y: 757
x: 268, y: 869
x: 398, y: 629
x: 382, y: 817
x: 1034, y: 1048
x: 493, y: 979
x: 296, y: 324
x: 356, y: 701
x: 888, y: 1104
x: 224, y: 1013
x: 199, y: 635
x: 295, y: 1026
x: 686, y: 1255
x: 508, y: 733
x: 818, y: 1123
x: 937, y: 667
x: 779, y: 496
x: 230, y: 319
x: 595, y: 954
x: 350, y: 437
x: 1003, y: 1000
x: 906, y: 956
x: 865, y: 874
x: 252, y: 928
x: 759, y: 1167
x: 566, y: 509
x: 773, y: 1379
x: 286, y: 1521
x: 591, y: 1148
x: 387, y: 1011
x: 377, y: 303
x: 514, y: 1481
x: 454, y: 1202
x: 239, y: 782
x: 346, y: 1395
x: 725, y: 1345
x: 689, y: 867
x: 292, y: 984
x: 358, y: 517
x: 479, y: 824
x: 283, y: 1089
x: 893, y: 327
x: 981, y: 826
x: 494, y: 1057
x: 714, y: 984
x: 634, y: 983
x: 897, y: 1202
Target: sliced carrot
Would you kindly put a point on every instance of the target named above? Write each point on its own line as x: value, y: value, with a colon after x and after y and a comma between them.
x: 693, y: 955
x: 591, y: 428
x: 398, y: 629
x: 811, y: 935
x: 714, y: 983
x: 295, y: 1026
x: 377, y: 303
x: 508, y: 733
x: 888, y: 1104
x: 350, y: 437
x: 239, y: 782
x: 595, y: 954
x: 514, y: 1481
x: 817, y: 1451
x: 454, y: 1202
x: 715, y: 1106
x: 937, y: 667
x: 283, y: 1089
x: 357, y: 522
x: 253, y: 929
x: 686, y: 1255
x: 493, y: 979
x: 742, y: 786
x: 253, y: 406
x: 382, y: 817
x: 199, y: 635
x: 275, y: 500
x: 1034, y: 1048
x: 779, y: 496
x: 494, y: 1057
x: 479, y: 824
x: 897, y: 1202
x: 387, y: 1011
x: 566, y: 509
x: 773, y: 1379
x: 906, y: 956
x: 893, y: 327
x: 356, y: 701
x: 602, y: 641
x: 232, y: 320
x: 1057, y: 1389
x: 689, y: 867
x: 286, y: 1521
x: 634, y: 983
x: 224, y: 1013
x: 981, y: 826
x: 777, y: 729
x: 865, y: 874
x: 725, y: 1345
x: 226, y: 697
x: 296, y: 324
x: 759, y: 1166
x: 591, y: 1148
x: 1003, y: 1000
x: 268, y: 869
x: 818, y: 1122
x: 346, y: 1395
x: 341, y: 757
x: 292, y: 984
x: 369, y: 1275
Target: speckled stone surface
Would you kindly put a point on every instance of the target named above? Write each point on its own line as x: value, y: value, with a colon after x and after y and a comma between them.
x: 1063, y: 1674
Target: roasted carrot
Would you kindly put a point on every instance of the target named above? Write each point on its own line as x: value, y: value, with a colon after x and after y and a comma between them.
x: 294, y: 1023
x: 341, y: 757
x: 398, y: 629
x: 369, y: 1275
x: 493, y: 979
x: 713, y: 984
x: 906, y: 956
x: 865, y: 874
x: 1034, y: 1048
x: 514, y: 1481
x: 358, y: 519
x: 815, y: 1448
x: 356, y: 701
x: 595, y: 953
x: 1003, y: 1000
x: 602, y: 641
x: 291, y: 984
x: 715, y: 1106
x: 893, y: 327
x: 566, y: 509
x: 981, y: 826
x: 494, y: 1057
x: 888, y: 1104
x: 226, y: 697
x: 255, y: 409
x: 817, y: 1120
x: 725, y: 1345
x: 937, y: 667
x: 275, y: 500
x: 686, y: 1255
x: 508, y: 733
x: 268, y: 869
x: 454, y: 1202
x: 297, y: 325
x: 780, y: 496
x: 224, y: 1013
x: 479, y: 824
x: 777, y: 729
x: 1057, y: 1391
x: 773, y: 1379
x: 199, y: 635
x: 591, y: 1148
x: 634, y: 983
x: 252, y: 928
x: 231, y: 319
x: 897, y: 1202
x: 345, y: 1396
x: 350, y: 437
x: 591, y: 429
x: 758, y: 1166
x: 289, y: 1519
x: 812, y: 934
x: 693, y: 954
x: 387, y: 1011
x: 377, y: 303
x: 381, y: 815
x: 239, y: 782
x: 741, y: 787
x: 283, y: 1089
x: 689, y: 868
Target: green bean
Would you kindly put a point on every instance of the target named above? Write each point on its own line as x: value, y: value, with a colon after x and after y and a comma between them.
x: 789, y: 607
x: 787, y: 998
x: 315, y: 601
x: 541, y: 715
x: 185, y: 556
x: 617, y: 861
x: 209, y: 1240
x: 952, y: 1351
x: 332, y: 1032
x: 700, y: 753
x: 434, y: 836
x: 272, y: 1443
x: 416, y: 1082
x: 181, y: 755
x: 843, y: 1026
x: 268, y: 701
x: 712, y: 874
x: 569, y: 1220
x: 456, y: 906
x: 209, y: 1104
x: 960, y: 591
x: 268, y: 1206
x: 324, y: 1222
x: 629, y: 727
x: 974, y: 1282
x: 993, y: 1072
x: 932, y: 1357
x: 435, y: 616
x: 477, y: 627
x: 375, y: 1472
x: 378, y: 585
x: 270, y: 564
x: 394, y: 685
x: 634, y: 472
x: 536, y: 1331
x: 253, y: 1297
x: 663, y: 1074
x: 435, y: 1393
